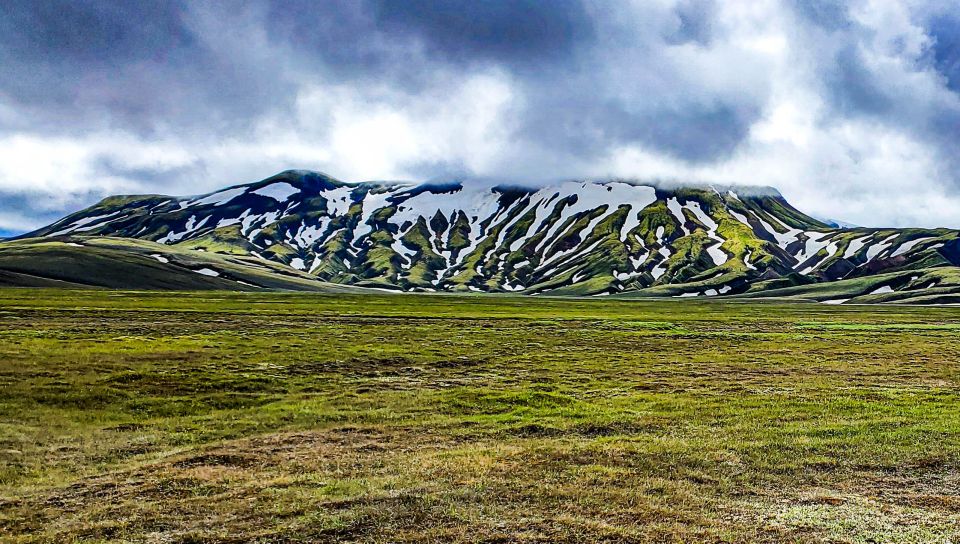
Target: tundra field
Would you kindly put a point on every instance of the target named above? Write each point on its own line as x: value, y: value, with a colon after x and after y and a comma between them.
x: 241, y: 417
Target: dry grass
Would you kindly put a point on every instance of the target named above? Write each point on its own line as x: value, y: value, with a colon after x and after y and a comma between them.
x: 298, y: 418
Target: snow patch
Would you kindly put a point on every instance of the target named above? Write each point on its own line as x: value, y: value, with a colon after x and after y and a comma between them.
x: 907, y: 246
x: 87, y: 223
x: 217, y: 199
x: 854, y: 246
x: 677, y: 210
x: 880, y: 247
x: 279, y: 191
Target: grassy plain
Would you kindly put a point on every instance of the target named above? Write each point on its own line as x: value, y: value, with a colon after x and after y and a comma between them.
x: 242, y: 417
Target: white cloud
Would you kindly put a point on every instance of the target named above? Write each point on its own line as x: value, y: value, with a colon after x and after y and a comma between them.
x: 863, y: 167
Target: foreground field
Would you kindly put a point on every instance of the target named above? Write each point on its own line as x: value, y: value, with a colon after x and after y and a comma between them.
x: 235, y: 417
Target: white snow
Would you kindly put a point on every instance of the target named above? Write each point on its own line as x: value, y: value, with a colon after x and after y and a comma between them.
x: 279, y: 191
x: 250, y: 221
x: 834, y: 301
x: 191, y: 226
x: 677, y: 210
x: 403, y: 251
x: 854, y: 246
x: 591, y: 196
x: 881, y: 290
x: 307, y: 235
x: 878, y: 248
x: 783, y: 239
x: 740, y: 217
x: 637, y: 262
x: 338, y: 200
x: 564, y: 258
x: 542, y: 210
x: 74, y: 244
x: 298, y: 263
x: 218, y: 199
x: 813, y: 246
x: 685, y: 295
x: 207, y: 272
x: 907, y: 246
x: 718, y: 255
x: 477, y: 204
x: 87, y: 223
x: 160, y: 257
x: 372, y: 201
x: 746, y: 260
x: 658, y: 270
x: 631, y: 222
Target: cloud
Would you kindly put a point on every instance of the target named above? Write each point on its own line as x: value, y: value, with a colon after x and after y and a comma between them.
x: 851, y: 108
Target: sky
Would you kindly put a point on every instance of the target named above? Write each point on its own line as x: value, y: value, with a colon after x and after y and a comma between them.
x: 851, y: 109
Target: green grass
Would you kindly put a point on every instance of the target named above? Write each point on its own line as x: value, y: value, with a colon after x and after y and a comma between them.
x: 276, y: 417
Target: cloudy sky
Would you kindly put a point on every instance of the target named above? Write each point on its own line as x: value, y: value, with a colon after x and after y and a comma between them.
x: 851, y: 109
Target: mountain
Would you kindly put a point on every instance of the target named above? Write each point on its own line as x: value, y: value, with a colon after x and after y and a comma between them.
x: 616, y: 237
x: 124, y: 263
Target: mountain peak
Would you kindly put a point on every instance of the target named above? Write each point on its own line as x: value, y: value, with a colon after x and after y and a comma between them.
x: 307, y: 180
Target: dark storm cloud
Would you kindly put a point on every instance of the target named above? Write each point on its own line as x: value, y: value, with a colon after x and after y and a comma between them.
x: 945, y: 31
x: 854, y: 88
x: 144, y: 66
x: 141, y: 66
x: 585, y: 77
x: 519, y: 32
x: 695, y: 22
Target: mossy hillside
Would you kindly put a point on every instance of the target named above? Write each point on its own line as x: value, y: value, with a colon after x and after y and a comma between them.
x: 378, y: 258
x: 123, y: 263
x: 427, y: 263
x: 226, y: 240
x: 656, y: 216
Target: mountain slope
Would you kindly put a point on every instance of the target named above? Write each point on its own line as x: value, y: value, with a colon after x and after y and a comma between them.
x: 121, y: 263
x: 576, y: 237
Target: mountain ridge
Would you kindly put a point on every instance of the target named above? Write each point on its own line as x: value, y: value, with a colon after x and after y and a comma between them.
x: 577, y: 237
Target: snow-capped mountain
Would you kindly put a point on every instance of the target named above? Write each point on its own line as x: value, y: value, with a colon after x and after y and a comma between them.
x: 575, y: 237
